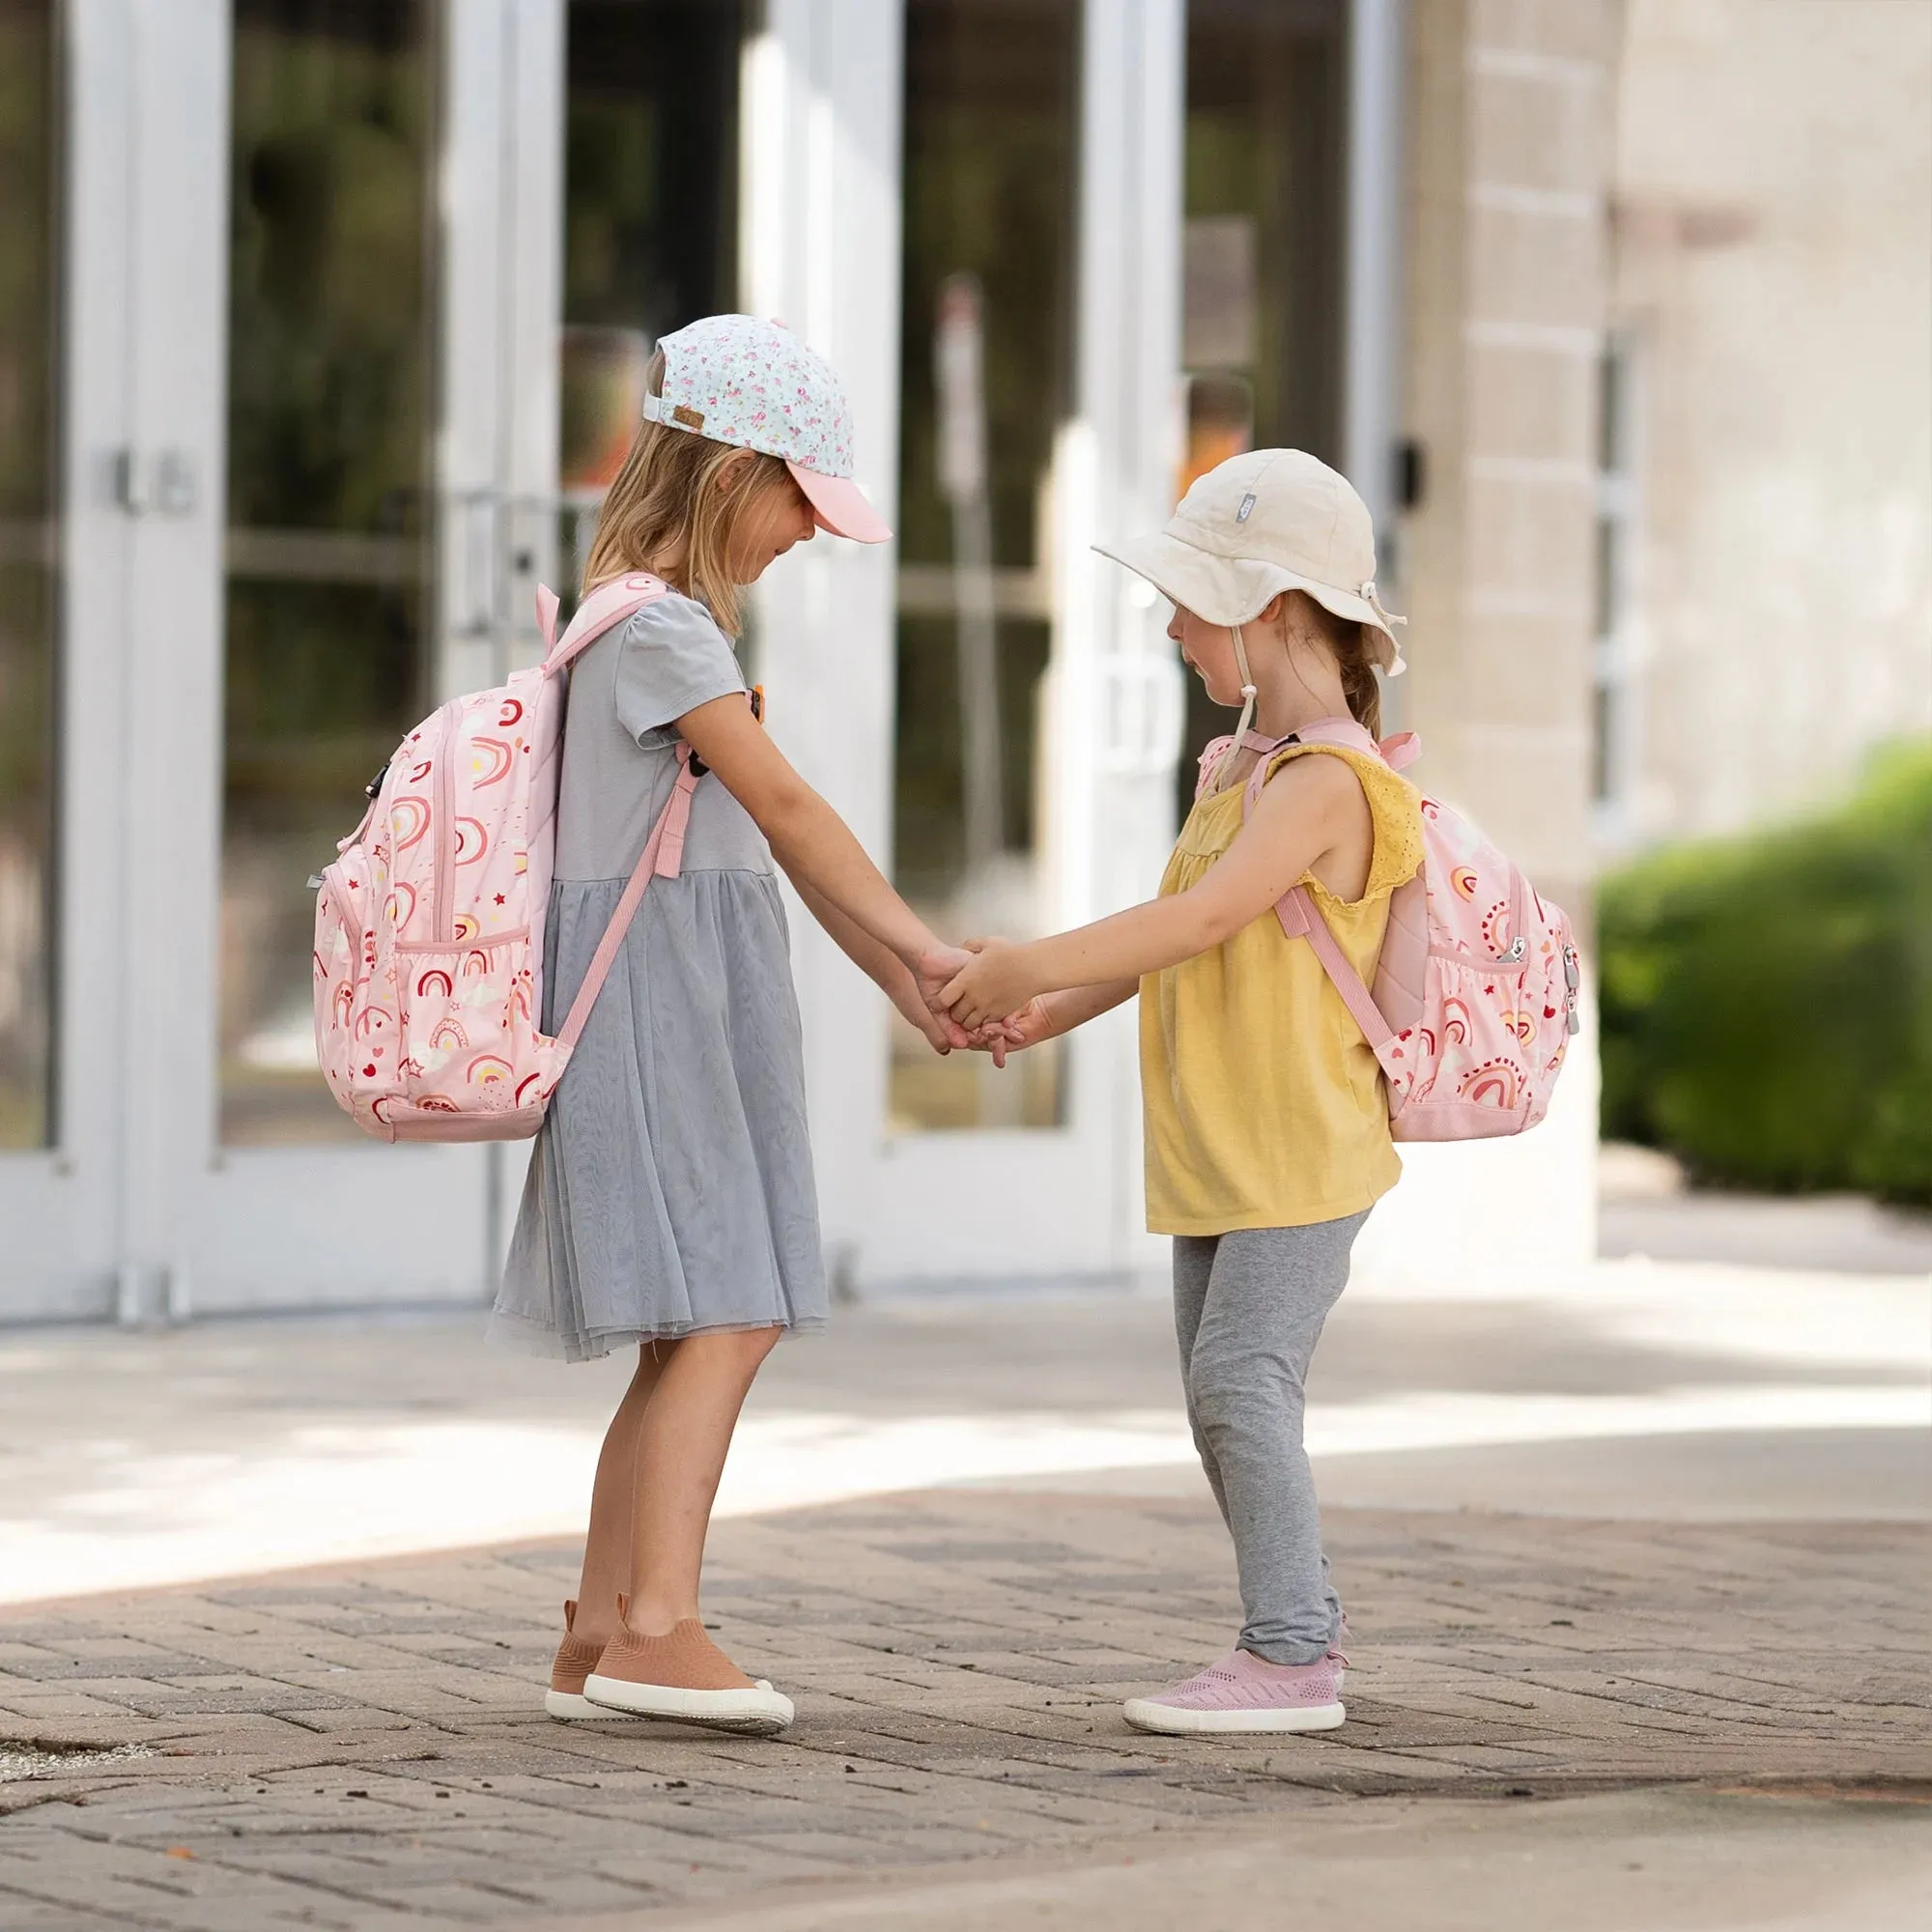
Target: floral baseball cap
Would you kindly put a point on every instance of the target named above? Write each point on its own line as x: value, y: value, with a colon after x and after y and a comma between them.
x: 755, y: 385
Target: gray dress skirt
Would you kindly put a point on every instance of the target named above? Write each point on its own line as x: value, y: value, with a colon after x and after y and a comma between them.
x: 670, y: 1190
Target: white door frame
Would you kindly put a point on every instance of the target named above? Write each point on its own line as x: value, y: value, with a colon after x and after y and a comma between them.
x: 138, y: 1208
x: 821, y: 109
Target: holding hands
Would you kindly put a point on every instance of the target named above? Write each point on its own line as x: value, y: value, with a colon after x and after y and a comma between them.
x: 935, y: 971
x: 975, y: 997
x: 994, y: 984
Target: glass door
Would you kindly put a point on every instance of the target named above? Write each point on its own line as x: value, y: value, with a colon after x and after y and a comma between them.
x: 305, y: 331
x: 344, y: 547
x: 1262, y: 248
x: 1009, y: 174
x: 992, y: 153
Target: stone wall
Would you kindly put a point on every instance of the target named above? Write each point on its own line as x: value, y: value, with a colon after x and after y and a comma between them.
x: 1509, y: 127
x: 1773, y: 269
x: 1509, y: 120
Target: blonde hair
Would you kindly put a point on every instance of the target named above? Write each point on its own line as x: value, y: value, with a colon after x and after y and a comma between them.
x: 1349, y: 640
x: 670, y: 496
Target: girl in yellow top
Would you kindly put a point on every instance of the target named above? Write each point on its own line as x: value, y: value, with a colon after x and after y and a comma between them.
x: 1268, y: 1135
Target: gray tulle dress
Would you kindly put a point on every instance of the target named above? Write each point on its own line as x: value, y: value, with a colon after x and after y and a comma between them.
x: 670, y: 1190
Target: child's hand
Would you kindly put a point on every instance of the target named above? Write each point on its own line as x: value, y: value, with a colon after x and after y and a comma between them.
x: 941, y: 1033
x: 993, y: 982
x: 932, y: 969
x: 1000, y: 1037
x: 1028, y: 1027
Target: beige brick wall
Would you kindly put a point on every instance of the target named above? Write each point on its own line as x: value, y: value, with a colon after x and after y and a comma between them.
x: 1774, y: 277
x: 1509, y: 158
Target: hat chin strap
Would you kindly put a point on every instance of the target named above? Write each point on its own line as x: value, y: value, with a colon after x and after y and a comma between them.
x: 1247, y: 699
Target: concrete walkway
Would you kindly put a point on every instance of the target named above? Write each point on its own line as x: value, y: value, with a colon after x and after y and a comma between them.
x: 1630, y: 1389
x: 1635, y: 1562
x: 364, y: 1748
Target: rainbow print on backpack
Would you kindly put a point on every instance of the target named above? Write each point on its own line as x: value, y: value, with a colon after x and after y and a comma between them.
x: 429, y: 925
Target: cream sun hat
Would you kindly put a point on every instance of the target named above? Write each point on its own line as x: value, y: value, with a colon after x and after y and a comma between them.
x: 1270, y: 521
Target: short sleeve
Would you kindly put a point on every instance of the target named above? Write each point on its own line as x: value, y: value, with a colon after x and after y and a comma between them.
x: 671, y: 659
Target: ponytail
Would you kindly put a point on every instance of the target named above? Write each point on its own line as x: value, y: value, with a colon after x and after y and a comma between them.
x: 1347, y: 639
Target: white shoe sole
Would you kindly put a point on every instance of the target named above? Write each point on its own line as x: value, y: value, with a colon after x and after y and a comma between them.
x: 568, y: 1707
x: 1146, y: 1714
x: 759, y: 1712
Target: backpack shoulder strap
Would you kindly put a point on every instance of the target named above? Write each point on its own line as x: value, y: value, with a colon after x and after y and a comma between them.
x: 1301, y: 918
x: 663, y: 857
x: 610, y: 604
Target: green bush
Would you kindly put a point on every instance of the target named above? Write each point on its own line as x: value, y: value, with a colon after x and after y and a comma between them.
x: 1767, y: 1001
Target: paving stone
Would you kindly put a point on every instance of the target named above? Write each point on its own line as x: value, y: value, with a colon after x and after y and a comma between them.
x: 964, y: 1653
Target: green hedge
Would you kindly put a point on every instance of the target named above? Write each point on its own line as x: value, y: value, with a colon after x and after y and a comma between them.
x: 1767, y: 1001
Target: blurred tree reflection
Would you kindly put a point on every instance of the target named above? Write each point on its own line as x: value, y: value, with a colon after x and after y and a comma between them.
x: 991, y: 152
x: 27, y: 471
x: 330, y: 412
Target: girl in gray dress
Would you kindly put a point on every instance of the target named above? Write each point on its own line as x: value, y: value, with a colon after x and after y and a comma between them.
x: 669, y: 1202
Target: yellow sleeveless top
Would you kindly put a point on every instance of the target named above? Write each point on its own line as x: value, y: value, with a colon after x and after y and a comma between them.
x: 1264, y: 1104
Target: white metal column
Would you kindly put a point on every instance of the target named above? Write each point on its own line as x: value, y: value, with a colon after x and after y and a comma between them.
x: 1117, y: 696
x: 501, y: 198
x: 502, y: 202
x: 1371, y: 306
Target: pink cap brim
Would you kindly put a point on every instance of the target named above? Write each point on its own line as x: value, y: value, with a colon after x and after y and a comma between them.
x: 840, y: 505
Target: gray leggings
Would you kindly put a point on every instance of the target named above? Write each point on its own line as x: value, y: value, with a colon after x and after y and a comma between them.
x: 1248, y: 1309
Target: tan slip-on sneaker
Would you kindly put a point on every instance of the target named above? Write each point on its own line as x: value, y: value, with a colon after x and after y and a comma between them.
x: 576, y: 1658
x: 684, y: 1676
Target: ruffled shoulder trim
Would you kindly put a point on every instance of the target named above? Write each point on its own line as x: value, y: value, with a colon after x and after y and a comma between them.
x: 1396, y: 808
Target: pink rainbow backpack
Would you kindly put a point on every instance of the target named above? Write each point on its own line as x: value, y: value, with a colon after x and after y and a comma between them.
x: 1475, y: 993
x: 429, y: 938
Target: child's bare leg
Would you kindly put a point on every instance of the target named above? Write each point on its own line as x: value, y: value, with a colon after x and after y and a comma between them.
x: 606, y: 1548
x: 686, y: 1432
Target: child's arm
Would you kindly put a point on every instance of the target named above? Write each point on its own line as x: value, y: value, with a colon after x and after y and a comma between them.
x: 883, y: 966
x: 1301, y: 815
x: 810, y: 841
x: 1051, y: 1014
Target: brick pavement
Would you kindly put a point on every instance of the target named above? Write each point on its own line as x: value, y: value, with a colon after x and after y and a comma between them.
x: 364, y: 1748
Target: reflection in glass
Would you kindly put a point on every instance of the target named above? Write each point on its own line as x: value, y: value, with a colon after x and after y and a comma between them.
x: 991, y: 153
x: 27, y: 582
x: 650, y: 231
x: 1263, y: 247
x: 330, y: 415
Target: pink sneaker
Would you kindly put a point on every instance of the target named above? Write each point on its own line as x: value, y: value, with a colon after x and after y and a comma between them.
x: 1244, y: 1693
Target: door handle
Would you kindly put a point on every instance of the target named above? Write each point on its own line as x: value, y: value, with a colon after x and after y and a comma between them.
x: 160, y: 483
